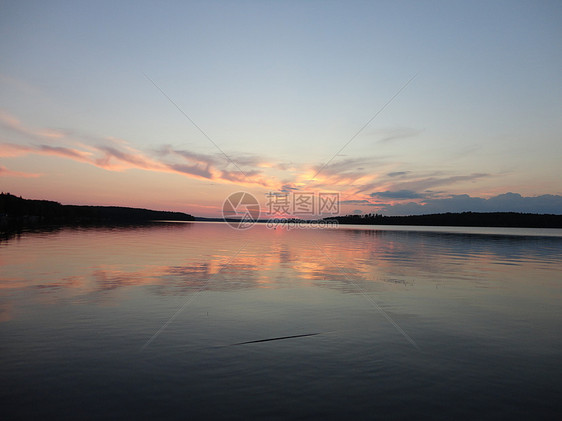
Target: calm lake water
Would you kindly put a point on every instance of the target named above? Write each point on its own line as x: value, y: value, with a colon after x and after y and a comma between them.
x: 200, y: 321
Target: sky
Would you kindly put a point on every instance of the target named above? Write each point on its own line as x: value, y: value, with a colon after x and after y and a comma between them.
x: 399, y: 107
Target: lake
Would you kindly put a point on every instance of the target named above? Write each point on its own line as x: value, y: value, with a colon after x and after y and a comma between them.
x: 201, y: 321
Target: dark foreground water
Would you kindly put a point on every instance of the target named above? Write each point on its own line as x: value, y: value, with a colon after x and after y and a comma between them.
x: 200, y: 321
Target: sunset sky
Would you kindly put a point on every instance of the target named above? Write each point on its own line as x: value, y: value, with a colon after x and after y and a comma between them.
x: 175, y: 105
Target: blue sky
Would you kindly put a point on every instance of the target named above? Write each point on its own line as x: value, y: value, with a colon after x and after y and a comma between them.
x: 280, y: 87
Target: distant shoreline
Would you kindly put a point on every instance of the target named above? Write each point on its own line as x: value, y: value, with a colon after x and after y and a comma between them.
x: 462, y: 219
x: 19, y: 212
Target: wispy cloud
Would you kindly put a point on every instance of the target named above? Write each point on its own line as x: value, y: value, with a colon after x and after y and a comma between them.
x: 345, y: 172
x: 62, y: 151
x: 11, y: 123
x: 391, y: 135
x: 288, y: 187
x: 398, y: 173
x: 5, y: 172
x: 11, y: 150
x: 424, y: 183
x: 364, y: 181
x: 355, y: 202
x: 122, y: 157
x: 113, y: 158
x: 114, y: 154
x: 206, y: 159
x: 195, y: 170
x: 399, y: 194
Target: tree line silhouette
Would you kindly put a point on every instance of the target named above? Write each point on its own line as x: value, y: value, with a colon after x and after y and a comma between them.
x: 16, y: 211
x: 464, y: 219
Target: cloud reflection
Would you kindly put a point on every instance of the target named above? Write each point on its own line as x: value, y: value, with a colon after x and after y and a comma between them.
x: 377, y: 261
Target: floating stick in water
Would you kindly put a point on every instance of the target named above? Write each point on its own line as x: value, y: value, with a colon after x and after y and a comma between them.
x: 276, y: 339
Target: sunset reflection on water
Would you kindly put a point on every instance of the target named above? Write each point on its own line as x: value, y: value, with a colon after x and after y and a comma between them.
x: 169, y: 301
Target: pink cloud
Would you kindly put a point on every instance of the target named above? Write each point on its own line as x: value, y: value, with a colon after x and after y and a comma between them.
x: 5, y: 172
x: 64, y: 152
x: 8, y: 150
x: 13, y: 124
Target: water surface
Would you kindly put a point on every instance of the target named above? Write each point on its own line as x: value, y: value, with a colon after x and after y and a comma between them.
x: 197, y: 320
